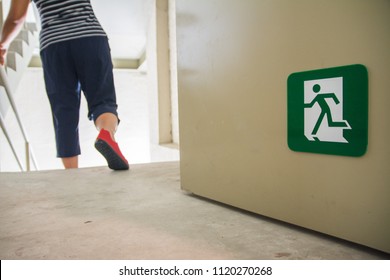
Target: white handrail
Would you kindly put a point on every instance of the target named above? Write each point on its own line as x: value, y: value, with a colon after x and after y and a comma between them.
x: 29, y: 153
x: 2, y: 125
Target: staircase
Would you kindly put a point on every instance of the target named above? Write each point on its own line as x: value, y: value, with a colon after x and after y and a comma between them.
x: 19, y: 55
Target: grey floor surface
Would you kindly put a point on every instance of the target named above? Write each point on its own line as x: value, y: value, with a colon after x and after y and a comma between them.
x: 142, y: 214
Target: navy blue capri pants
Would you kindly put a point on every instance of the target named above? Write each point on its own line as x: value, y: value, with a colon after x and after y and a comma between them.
x: 71, y: 67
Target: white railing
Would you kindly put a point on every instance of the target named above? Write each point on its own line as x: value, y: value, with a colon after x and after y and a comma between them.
x: 18, y: 57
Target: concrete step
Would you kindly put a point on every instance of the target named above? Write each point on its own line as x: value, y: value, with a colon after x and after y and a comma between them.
x: 96, y: 213
x: 17, y: 47
x: 19, y: 54
x: 31, y: 27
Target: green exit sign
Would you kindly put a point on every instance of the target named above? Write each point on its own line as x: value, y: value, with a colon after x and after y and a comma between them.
x: 328, y: 111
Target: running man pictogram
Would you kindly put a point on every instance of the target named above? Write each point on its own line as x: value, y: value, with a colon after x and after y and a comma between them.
x: 321, y: 99
x: 324, y: 105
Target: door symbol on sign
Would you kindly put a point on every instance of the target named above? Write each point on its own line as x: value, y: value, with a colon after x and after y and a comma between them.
x: 323, y: 103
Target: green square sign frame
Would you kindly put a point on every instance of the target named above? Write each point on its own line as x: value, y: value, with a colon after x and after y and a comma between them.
x: 328, y: 111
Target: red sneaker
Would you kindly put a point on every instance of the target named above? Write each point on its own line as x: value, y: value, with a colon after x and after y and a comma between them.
x: 110, y: 150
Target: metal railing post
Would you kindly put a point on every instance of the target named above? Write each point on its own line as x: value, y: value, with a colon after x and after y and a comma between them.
x: 28, y: 166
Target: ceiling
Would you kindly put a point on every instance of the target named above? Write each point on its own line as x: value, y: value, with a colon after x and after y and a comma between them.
x: 125, y: 22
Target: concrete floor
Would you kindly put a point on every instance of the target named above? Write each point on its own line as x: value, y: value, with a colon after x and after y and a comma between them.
x: 95, y: 213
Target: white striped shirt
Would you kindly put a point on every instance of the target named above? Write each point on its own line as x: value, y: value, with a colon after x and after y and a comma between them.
x: 63, y: 20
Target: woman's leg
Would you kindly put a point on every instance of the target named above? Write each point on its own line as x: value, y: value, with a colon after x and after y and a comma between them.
x: 95, y: 71
x: 70, y: 162
x: 63, y: 91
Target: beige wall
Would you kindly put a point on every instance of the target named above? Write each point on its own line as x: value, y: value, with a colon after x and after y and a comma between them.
x: 234, y: 58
